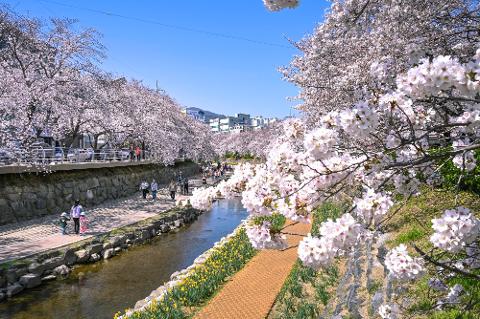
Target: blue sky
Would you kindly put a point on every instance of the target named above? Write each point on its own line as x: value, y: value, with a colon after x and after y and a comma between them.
x: 211, y: 72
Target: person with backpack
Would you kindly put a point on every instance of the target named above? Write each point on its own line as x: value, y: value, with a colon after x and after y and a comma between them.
x: 75, y: 212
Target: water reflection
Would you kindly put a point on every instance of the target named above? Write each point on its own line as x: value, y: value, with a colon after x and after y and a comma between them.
x: 99, y: 290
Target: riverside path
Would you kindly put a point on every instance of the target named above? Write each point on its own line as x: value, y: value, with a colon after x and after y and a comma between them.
x: 251, y: 293
x: 41, y: 234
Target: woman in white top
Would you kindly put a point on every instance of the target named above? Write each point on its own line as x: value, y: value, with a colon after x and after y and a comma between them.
x: 75, y: 212
x: 144, y: 189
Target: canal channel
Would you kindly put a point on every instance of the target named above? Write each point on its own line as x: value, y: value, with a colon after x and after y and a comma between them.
x: 100, y: 290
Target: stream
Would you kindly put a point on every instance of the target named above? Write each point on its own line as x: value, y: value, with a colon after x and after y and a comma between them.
x: 100, y: 290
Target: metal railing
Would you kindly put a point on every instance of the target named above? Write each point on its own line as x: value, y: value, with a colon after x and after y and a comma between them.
x: 49, y: 155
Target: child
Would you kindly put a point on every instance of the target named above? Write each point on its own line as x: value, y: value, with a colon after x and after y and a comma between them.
x: 63, y: 222
x: 83, y: 223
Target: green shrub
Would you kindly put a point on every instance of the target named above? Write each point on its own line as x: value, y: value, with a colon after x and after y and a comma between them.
x: 293, y: 301
x: 409, y: 236
x: 238, y: 156
x: 470, y: 181
x: 327, y: 210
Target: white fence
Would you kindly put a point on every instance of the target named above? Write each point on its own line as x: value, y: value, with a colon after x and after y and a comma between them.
x: 48, y: 155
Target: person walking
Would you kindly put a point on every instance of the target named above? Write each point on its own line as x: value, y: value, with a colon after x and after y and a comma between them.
x: 154, y: 189
x: 179, y: 178
x: 132, y: 153
x: 172, y: 187
x: 144, y: 188
x: 75, y: 215
x: 63, y: 222
x: 185, y: 185
x: 83, y: 223
x: 138, y: 152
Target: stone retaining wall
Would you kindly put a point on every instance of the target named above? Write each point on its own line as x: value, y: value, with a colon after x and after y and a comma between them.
x: 30, y: 195
x: 56, y: 264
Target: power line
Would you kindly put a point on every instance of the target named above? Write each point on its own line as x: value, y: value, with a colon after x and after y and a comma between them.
x: 171, y: 26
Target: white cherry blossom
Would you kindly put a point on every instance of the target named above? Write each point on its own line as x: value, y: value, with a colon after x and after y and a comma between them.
x: 455, y: 229
x: 401, y: 265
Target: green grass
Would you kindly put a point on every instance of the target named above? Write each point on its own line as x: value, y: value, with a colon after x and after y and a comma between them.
x: 413, y: 221
x: 305, y: 290
x: 277, y: 221
x: 374, y: 287
x: 294, y: 302
x: 328, y: 210
x: 411, y: 235
x: 412, y: 225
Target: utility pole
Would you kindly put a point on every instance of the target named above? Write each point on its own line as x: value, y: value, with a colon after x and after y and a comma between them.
x: 158, y: 89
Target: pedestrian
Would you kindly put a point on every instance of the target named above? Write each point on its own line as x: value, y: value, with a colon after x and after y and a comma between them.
x: 204, y: 179
x: 132, y: 153
x: 154, y: 189
x: 63, y: 222
x: 172, y: 187
x: 138, y: 152
x: 179, y: 178
x: 144, y: 188
x: 83, y: 223
x: 185, y: 185
x: 75, y: 214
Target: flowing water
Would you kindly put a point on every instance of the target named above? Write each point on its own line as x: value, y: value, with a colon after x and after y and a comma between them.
x: 99, y: 290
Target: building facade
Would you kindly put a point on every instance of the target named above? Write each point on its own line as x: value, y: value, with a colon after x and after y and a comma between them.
x: 195, y: 113
x: 239, y: 123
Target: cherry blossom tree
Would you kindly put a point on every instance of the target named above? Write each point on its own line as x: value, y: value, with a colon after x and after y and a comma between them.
x: 276, y: 5
x: 357, y: 51
x: 252, y: 142
x: 391, y: 93
x: 51, y: 81
x: 39, y: 59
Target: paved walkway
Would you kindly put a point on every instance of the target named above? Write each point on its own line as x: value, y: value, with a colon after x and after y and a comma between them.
x: 41, y: 234
x: 252, y: 291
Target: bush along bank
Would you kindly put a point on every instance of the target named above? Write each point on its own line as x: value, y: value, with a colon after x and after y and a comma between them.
x: 306, y: 292
x: 192, y: 287
x: 18, y: 275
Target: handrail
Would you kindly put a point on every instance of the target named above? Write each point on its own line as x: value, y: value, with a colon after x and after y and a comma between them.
x: 48, y: 155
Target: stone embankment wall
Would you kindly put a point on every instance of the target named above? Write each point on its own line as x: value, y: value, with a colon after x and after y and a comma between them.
x: 30, y: 195
x: 31, y: 272
x: 179, y: 276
